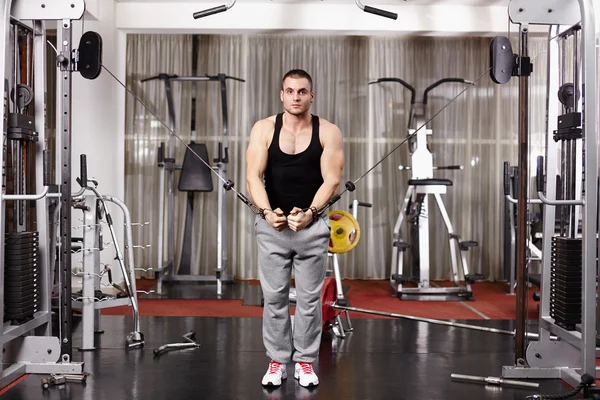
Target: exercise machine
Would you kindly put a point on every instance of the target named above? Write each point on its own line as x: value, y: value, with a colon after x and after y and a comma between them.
x: 569, y: 263
x: 28, y: 240
x: 415, y: 212
x: 167, y: 164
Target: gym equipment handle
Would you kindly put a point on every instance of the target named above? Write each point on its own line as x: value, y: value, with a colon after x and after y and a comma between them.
x: 362, y: 204
x: 539, y: 176
x: 210, y: 11
x: 448, y: 167
x: 376, y: 11
x: 413, y: 92
x: 159, y: 76
x: 381, y: 13
x: 223, y: 156
x: 161, y: 153
x: 200, y: 78
x: 539, y: 184
x: 506, y: 178
x: 441, y: 81
x: 214, y: 10
x: 83, y: 171
x: 235, y: 78
x: 46, y: 158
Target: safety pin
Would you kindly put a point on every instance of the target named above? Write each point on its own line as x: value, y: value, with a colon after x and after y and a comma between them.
x: 139, y: 223
x: 143, y: 269
x: 86, y: 249
x: 141, y: 247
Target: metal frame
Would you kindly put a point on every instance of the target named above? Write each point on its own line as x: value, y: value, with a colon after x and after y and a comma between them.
x: 510, y: 233
x: 166, y: 272
x: 64, y: 114
x: 575, y: 353
x: 41, y: 353
x: 93, y: 244
x: 422, y: 168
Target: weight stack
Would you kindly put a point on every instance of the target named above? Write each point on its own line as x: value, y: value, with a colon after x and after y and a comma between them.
x: 21, y: 276
x: 566, y: 282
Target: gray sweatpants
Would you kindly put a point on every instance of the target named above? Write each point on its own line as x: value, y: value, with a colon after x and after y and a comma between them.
x: 278, y: 253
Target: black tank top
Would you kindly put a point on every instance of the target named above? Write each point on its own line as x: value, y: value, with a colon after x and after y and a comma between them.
x: 292, y: 180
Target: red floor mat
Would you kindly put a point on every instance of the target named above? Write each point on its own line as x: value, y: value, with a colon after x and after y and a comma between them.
x: 489, y: 298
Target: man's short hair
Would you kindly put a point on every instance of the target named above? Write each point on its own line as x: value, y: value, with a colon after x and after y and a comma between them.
x: 297, y: 73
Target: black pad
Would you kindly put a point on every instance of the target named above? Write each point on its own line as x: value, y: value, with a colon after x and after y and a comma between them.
x: 501, y: 59
x: 90, y: 55
x: 429, y: 182
x: 464, y: 245
x: 472, y: 278
x: 402, y: 246
x: 535, y: 279
x: 195, y: 175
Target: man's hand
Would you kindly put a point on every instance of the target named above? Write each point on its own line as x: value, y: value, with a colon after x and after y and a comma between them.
x: 276, y: 219
x: 298, y: 219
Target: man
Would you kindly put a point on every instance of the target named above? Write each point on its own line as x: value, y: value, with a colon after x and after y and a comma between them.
x: 300, y: 157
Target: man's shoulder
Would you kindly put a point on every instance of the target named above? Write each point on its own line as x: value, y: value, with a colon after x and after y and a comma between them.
x: 327, y: 126
x: 264, y: 127
x: 266, y: 123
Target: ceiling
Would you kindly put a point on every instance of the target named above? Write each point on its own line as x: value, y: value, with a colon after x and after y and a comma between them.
x: 367, y: 2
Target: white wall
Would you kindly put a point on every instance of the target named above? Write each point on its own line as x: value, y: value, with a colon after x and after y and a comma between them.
x: 96, y: 126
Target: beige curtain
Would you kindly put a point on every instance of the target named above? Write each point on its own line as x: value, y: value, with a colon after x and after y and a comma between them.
x: 143, y: 135
x: 336, y: 66
x: 221, y: 55
x: 478, y: 131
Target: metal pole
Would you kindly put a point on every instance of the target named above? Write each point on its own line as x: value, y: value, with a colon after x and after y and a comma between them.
x: 522, y: 205
x: 590, y: 211
x: 493, y: 381
x: 46, y: 231
x: 530, y: 335
x: 64, y: 110
x: 222, y: 195
x: 563, y: 210
x: 170, y: 181
x: 573, y: 216
x: 161, y: 217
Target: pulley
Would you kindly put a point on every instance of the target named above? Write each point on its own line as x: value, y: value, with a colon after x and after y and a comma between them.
x: 24, y: 95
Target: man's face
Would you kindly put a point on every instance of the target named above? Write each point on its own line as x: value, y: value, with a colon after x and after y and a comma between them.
x: 296, y: 95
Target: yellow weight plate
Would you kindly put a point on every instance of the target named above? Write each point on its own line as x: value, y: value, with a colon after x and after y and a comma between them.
x: 345, y: 231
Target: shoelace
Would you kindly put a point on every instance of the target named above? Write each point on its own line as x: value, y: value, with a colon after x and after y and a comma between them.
x: 306, y: 368
x: 274, y: 367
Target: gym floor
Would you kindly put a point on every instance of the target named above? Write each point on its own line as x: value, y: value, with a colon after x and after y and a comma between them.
x: 381, y: 359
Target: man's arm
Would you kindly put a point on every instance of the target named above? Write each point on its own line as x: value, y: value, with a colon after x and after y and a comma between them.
x: 332, y: 164
x: 256, y: 163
